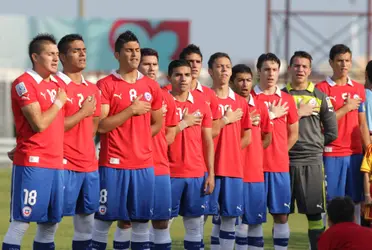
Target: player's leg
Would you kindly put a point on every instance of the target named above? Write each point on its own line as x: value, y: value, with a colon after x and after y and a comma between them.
x: 44, y: 238
x: 141, y: 206
x: 310, y: 199
x: 112, y: 205
x: 213, y: 209
x: 241, y: 234
x: 279, y: 198
x: 231, y: 207
x: 159, y: 232
x: 205, y: 216
x: 87, y: 205
x: 192, y: 208
x: 354, y: 184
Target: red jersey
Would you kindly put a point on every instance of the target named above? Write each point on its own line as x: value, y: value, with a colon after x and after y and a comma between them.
x: 129, y: 146
x: 186, y: 157
x: 253, y: 154
x: 78, y: 144
x: 278, y: 160
x: 228, y: 159
x: 159, y: 142
x: 44, y: 149
x: 346, y: 235
x: 349, y: 140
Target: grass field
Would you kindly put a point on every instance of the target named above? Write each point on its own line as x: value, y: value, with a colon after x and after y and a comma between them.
x: 298, y: 226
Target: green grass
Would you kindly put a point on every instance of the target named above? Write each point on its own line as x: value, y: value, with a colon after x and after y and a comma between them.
x: 298, y: 226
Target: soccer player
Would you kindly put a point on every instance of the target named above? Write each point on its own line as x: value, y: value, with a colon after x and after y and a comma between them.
x: 82, y: 111
x: 343, y: 157
x: 368, y: 90
x: 189, y: 155
x: 343, y: 232
x: 37, y: 177
x: 249, y: 233
x: 285, y: 132
x: 159, y: 232
x: 227, y: 199
x: 317, y: 128
x: 131, y: 115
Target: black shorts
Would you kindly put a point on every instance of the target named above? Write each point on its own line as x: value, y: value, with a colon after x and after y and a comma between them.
x: 307, y: 188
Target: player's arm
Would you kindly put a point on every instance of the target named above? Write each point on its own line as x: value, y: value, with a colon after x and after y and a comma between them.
x: 109, y: 123
x: 228, y: 118
x: 364, y: 131
x: 292, y: 123
x: 350, y: 105
x: 170, y: 134
x: 95, y: 125
x: 292, y: 134
x: 208, y: 150
x: 156, y: 121
x: 38, y: 120
x: 246, y: 138
x: 266, y: 139
x: 368, y: 107
x: 188, y: 120
x: 328, y: 120
x: 87, y: 109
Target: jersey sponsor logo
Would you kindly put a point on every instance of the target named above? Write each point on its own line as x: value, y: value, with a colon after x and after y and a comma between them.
x: 319, y: 205
x: 287, y: 205
x: 34, y: 159
x: 102, y: 209
x: 69, y: 99
x: 148, y: 96
x: 239, y: 208
x: 21, y: 89
x: 43, y: 94
x: 26, y: 211
x: 332, y: 98
x: 118, y: 96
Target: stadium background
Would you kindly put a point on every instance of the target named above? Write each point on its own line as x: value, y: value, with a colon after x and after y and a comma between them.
x: 242, y: 28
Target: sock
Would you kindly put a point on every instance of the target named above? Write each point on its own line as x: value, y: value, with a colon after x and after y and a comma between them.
x: 14, y: 235
x: 324, y: 218
x: 162, y: 239
x: 151, y: 232
x: 316, y: 228
x: 357, y: 213
x: 140, y: 236
x: 44, y: 238
x: 241, y: 237
x: 83, y: 229
x: 215, y: 237
x: 255, y: 237
x: 122, y: 238
x: 281, y: 236
x: 202, y: 232
x: 100, y: 234
x: 192, y: 235
x: 227, y: 233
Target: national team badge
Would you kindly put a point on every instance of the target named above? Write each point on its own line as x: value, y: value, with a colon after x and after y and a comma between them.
x: 21, y: 89
x: 312, y: 102
x: 102, y: 209
x: 26, y: 211
x: 356, y: 96
x: 148, y: 96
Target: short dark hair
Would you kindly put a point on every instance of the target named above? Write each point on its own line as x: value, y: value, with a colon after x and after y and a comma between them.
x: 341, y: 209
x: 301, y: 54
x: 267, y: 57
x: 123, y: 38
x: 63, y: 44
x: 369, y: 71
x: 149, y: 52
x: 215, y: 56
x: 176, y: 64
x: 338, y: 49
x: 238, y: 69
x: 190, y: 49
x: 36, y: 44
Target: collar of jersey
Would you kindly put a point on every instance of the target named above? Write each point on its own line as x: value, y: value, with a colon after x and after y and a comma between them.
x: 38, y: 79
x: 251, y: 101
x: 190, y: 97
x: 199, y: 87
x: 258, y: 91
x: 118, y: 76
x: 332, y: 83
x: 67, y: 80
x: 310, y: 87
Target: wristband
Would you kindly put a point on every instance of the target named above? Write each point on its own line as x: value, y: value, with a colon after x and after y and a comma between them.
x: 182, y: 125
x: 58, y: 103
x: 272, y: 115
x: 226, y: 120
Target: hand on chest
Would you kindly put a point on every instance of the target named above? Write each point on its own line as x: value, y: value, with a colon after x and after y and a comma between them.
x: 46, y: 96
x: 184, y: 111
x: 123, y: 97
x: 339, y: 98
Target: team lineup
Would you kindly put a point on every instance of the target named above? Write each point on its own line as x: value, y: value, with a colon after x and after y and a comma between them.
x: 234, y: 151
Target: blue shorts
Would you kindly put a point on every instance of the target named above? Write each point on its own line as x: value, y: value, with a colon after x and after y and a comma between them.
x: 278, y: 192
x: 343, y: 177
x: 254, y: 203
x: 188, y: 197
x: 207, y: 198
x: 227, y: 197
x: 126, y: 194
x: 81, y: 193
x: 37, y: 194
x: 162, y: 198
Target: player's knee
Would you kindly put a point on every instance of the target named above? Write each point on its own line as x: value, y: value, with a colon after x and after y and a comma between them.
x: 192, y: 225
x: 140, y: 228
x: 160, y: 224
x: 280, y: 218
x: 83, y: 225
x: 18, y: 228
x: 45, y: 232
x: 122, y: 224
